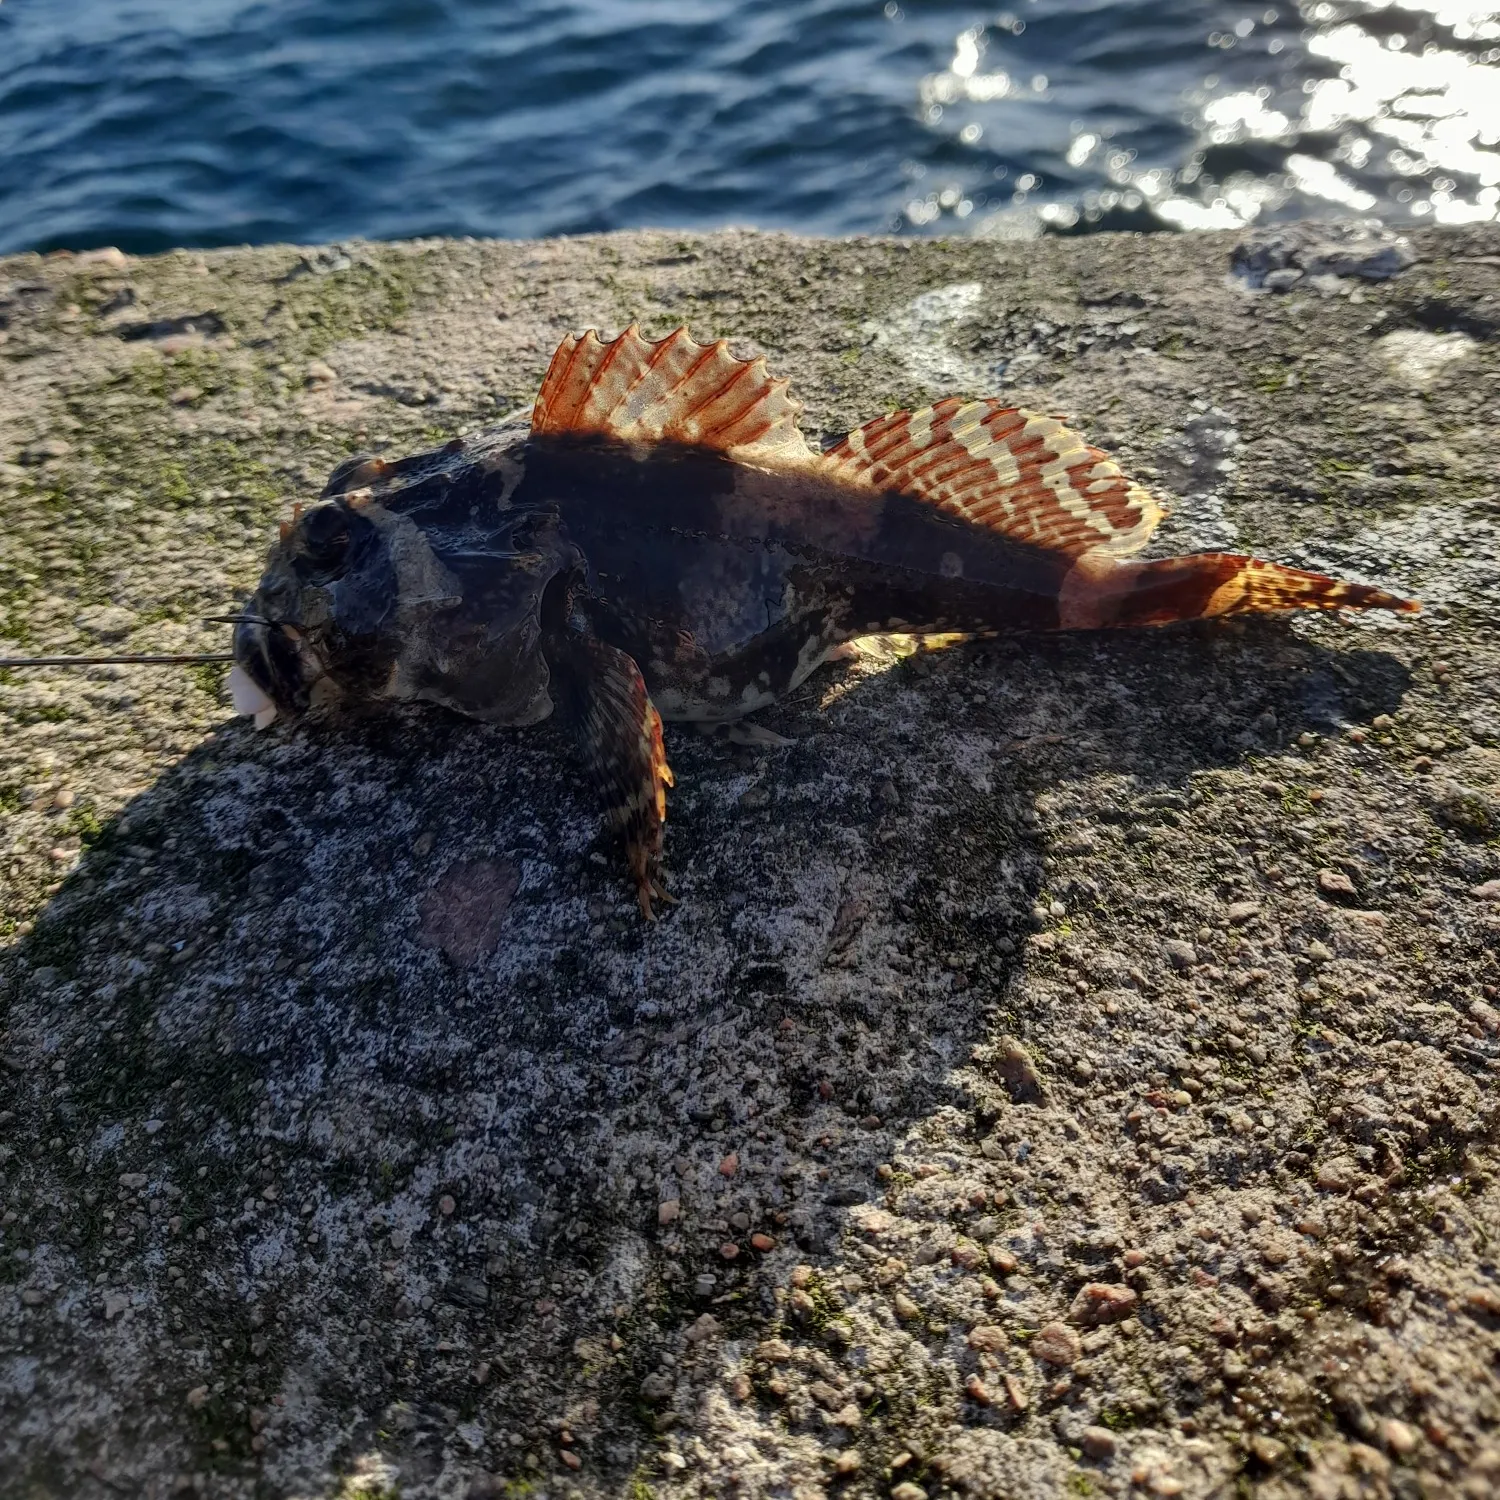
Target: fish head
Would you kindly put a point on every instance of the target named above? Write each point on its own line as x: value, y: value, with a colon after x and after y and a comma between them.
x: 367, y: 599
x: 318, y: 626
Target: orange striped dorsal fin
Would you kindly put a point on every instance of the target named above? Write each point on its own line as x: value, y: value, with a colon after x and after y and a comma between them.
x: 1012, y: 471
x: 673, y: 390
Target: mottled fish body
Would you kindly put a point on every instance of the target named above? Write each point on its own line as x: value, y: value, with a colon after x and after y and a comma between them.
x: 659, y: 541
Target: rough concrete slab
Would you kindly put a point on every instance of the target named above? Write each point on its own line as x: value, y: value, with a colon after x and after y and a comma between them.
x: 1071, y: 1069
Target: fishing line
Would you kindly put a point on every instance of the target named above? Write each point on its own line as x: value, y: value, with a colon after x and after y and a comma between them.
x: 111, y: 661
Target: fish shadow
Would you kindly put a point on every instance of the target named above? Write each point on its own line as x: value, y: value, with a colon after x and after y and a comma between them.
x: 370, y: 1002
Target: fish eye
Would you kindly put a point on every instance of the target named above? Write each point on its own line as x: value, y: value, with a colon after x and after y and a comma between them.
x: 325, y: 535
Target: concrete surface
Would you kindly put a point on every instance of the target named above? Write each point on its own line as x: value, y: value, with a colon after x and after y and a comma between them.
x: 1071, y: 1069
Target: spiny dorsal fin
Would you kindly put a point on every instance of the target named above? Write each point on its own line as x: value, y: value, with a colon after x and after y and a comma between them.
x: 674, y: 390
x: 1012, y: 471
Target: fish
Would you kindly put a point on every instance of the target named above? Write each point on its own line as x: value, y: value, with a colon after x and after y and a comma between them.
x: 659, y: 542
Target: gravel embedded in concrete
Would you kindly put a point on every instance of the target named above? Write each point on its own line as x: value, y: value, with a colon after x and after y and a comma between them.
x: 1032, y: 971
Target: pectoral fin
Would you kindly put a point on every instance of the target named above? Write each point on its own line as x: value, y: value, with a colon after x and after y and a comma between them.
x: 602, y: 697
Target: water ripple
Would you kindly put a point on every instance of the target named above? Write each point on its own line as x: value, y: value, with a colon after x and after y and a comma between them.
x: 150, y: 123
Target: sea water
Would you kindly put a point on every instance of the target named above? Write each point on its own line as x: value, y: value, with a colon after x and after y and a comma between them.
x: 153, y: 123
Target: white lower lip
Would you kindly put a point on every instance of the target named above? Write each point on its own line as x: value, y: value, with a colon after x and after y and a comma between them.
x: 248, y: 698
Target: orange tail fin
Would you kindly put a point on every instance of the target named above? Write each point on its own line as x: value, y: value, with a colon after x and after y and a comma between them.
x: 1205, y: 586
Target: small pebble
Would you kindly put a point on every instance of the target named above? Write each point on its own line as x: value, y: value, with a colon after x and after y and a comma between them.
x: 1338, y: 1175
x: 706, y: 1327
x: 64, y: 797
x: 1057, y: 1344
x: 729, y: 1166
x: 666, y: 1213
x: 729, y: 1250
x: 1268, y: 1450
x: 1101, y: 1302
x: 1180, y: 954
x: 762, y: 1241
x: 1002, y: 1260
x: 1098, y: 1442
x: 1400, y: 1438
x: 446, y: 1205
x: 848, y: 1462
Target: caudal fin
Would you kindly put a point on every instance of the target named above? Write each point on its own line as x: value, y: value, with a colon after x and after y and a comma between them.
x: 1205, y: 586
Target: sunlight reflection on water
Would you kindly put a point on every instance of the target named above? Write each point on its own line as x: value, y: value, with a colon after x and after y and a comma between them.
x: 1365, y: 106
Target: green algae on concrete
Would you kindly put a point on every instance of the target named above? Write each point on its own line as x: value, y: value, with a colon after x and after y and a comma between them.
x: 1161, y: 964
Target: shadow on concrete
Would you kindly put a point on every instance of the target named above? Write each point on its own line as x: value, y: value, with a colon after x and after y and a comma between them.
x: 367, y: 1008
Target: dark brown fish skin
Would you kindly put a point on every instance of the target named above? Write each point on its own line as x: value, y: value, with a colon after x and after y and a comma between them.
x: 727, y: 583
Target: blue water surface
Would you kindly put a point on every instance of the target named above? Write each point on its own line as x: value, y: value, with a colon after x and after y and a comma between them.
x: 153, y: 123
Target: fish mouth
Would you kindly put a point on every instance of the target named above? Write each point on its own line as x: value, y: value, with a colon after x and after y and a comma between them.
x: 270, y: 675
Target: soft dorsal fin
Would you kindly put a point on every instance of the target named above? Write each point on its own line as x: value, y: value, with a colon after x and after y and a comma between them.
x: 1024, y: 475
x: 674, y: 390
